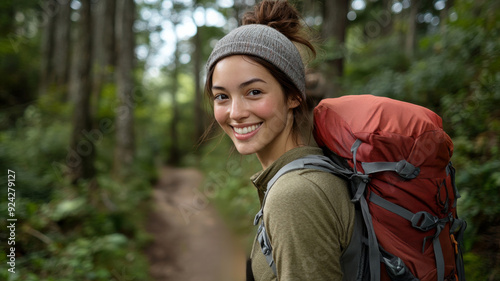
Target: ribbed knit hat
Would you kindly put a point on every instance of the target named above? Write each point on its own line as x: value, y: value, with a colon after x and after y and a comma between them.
x: 264, y: 42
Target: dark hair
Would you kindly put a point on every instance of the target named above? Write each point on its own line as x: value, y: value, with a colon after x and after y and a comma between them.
x: 283, y: 17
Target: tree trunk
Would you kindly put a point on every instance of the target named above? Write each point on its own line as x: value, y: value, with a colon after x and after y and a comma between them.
x: 174, y: 148
x: 334, y: 30
x: 55, y: 58
x: 125, y: 143
x: 47, y: 51
x: 384, y: 18
x: 104, y: 33
x: 81, y: 155
x: 198, y: 99
x: 108, y: 39
x: 104, y: 48
x: 411, y: 33
x: 62, y: 41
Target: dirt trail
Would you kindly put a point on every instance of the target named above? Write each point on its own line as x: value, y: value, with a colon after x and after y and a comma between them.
x: 191, y: 243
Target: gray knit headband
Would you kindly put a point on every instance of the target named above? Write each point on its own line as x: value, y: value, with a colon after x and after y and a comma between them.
x: 264, y: 42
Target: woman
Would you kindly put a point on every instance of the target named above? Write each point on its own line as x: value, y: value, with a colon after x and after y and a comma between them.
x: 256, y: 79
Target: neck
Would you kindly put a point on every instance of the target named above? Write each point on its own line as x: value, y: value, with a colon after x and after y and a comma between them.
x: 266, y: 158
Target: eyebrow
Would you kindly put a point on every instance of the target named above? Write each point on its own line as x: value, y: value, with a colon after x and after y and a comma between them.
x: 242, y: 85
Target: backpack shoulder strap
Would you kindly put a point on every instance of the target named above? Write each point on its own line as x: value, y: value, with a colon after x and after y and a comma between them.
x: 316, y: 162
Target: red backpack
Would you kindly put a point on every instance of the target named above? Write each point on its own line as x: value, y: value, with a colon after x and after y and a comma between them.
x: 396, y: 157
x: 409, y: 200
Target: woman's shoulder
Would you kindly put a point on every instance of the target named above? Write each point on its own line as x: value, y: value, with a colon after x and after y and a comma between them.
x: 310, y: 199
x: 309, y: 186
x: 309, y: 179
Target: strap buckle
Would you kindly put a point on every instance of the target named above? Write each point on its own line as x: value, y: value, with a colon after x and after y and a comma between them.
x: 406, y: 170
x: 258, y: 216
x: 424, y: 221
x: 263, y: 240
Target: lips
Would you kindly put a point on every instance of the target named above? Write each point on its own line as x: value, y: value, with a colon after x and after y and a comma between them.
x: 245, y: 132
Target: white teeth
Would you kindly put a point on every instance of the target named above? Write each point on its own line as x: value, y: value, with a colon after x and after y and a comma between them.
x: 246, y: 130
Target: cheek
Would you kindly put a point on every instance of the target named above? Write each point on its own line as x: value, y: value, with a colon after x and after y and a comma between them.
x: 270, y: 109
x: 220, y: 114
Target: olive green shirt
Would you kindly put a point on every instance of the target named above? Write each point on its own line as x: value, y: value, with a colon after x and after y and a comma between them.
x: 309, y: 219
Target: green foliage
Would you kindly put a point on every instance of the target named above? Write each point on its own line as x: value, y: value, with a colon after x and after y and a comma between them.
x: 19, y: 50
x: 477, y: 263
x: 207, y: 34
x: 39, y: 144
x: 91, y: 231
x: 154, y: 115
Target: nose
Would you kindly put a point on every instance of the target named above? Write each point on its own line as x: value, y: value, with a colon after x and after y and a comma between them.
x: 239, y: 109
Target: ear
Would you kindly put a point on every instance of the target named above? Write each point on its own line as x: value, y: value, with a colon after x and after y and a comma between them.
x: 294, y: 102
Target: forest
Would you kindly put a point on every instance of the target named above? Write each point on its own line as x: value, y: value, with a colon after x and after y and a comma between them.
x: 97, y: 95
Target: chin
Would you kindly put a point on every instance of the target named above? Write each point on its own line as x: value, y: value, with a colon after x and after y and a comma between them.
x: 245, y: 150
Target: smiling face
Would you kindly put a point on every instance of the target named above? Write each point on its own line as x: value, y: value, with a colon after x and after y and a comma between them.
x: 250, y: 106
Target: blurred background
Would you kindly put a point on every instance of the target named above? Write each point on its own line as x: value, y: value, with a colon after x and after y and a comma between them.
x: 102, y: 109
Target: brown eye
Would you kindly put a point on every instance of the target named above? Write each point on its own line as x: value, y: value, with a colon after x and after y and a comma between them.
x: 220, y: 97
x: 254, y: 92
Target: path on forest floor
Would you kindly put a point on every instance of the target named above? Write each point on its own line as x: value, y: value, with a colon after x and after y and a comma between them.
x: 191, y: 242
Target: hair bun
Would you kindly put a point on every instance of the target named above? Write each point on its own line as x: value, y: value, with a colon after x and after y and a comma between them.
x: 280, y: 15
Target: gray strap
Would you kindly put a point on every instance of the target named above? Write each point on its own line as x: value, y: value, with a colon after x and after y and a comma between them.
x: 375, y: 167
x: 354, y: 151
x: 398, y: 210
x: 265, y: 246
x: 438, y: 253
x: 373, y: 249
x: 422, y: 221
x: 419, y: 220
x: 294, y: 165
x: 359, y: 187
x: 405, y: 169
